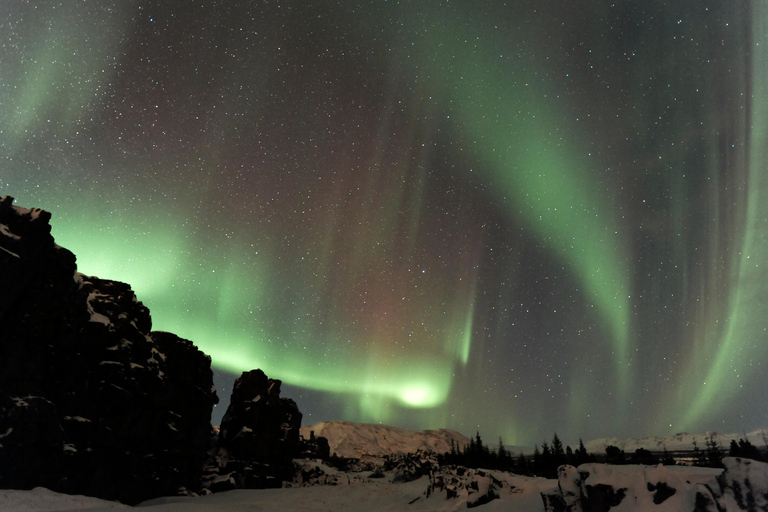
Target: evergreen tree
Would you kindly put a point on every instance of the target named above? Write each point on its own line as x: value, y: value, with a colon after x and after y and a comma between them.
x: 580, y: 456
x: 644, y: 457
x: 714, y: 455
x: 614, y: 455
x: 504, y: 460
x: 558, y: 453
x: 522, y: 465
x: 667, y: 459
x: 536, y: 466
x: 698, y: 457
x: 733, y: 450
x: 744, y: 449
x: 548, y: 462
x: 501, y: 453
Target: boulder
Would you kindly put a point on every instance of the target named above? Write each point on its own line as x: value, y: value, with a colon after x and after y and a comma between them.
x: 741, y: 486
x: 744, y: 484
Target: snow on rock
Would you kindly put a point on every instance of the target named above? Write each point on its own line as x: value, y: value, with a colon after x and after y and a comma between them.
x: 309, y: 473
x: 11, y: 253
x: 744, y: 484
x: 77, y: 418
x: 474, y: 486
x: 569, y: 483
x: 347, y: 439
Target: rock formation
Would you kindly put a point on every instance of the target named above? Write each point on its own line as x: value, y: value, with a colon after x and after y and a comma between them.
x: 743, y: 485
x: 91, y: 401
x: 259, y: 436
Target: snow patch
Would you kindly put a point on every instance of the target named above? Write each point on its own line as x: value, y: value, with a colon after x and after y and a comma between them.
x: 5, y: 230
x: 10, y: 252
x: 97, y: 317
x: 77, y: 418
x: 40, y: 499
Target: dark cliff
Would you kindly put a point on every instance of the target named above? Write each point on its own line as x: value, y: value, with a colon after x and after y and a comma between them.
x: 91, y: 401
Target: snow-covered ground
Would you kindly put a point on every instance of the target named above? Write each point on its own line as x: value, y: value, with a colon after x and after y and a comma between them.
x: 362, y: 496
x: 642, y: 489
x: 676, y: 488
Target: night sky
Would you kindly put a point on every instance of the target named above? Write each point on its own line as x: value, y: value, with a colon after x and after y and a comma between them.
x: 514, y: 217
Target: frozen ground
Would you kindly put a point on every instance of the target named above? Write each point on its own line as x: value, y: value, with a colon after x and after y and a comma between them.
x: 356, y: 492
x: 371, y: 496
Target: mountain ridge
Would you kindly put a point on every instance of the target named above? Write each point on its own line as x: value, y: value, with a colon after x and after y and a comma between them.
x: 349, y: 439
x: 682, y: 441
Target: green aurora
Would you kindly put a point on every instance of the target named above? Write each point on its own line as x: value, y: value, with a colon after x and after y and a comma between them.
x: 518, y: 219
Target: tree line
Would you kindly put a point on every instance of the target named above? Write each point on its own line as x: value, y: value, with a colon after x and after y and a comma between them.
x: 544, y: 462
x: 551, y: 455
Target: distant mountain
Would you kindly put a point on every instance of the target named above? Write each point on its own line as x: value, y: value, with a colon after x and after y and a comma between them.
x: 347, y: 439
x: 679, y: 442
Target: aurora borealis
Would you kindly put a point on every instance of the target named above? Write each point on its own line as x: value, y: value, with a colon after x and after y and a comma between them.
x: 513, y: 217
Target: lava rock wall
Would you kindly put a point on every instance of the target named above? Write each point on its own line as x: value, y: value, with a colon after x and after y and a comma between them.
x: 91, y: 401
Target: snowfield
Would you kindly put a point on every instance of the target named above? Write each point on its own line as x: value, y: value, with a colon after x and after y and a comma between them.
x: 642, y: 489
x: 362, y: 496
x: 378, y: 482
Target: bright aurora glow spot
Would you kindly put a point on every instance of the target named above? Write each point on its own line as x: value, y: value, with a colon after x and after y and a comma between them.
x: 517, y: 219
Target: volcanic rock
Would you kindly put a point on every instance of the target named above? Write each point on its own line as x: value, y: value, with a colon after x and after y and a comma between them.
x: 742, y: 485
x: 259, y: 436
x: 91, y: 402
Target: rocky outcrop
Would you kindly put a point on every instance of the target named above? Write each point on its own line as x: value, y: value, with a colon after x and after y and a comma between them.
x: 259, y: 437
x: 314, y: 447
x: 742, y: 486
x: 475, y: 486
x: 91, y: 401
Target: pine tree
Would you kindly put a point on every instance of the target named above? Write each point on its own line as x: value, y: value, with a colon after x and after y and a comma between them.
x: 745, y: 449
x: 614, y: 455
x: 548, y: 467
x: 645, y: 457
x: 714, y: 456
x: 503, y: 457
x: 581, y: 456
x: 522, y: 465
x: 558, y: 453
x: 536, y: 466
x: 667, y: 459
x: 733, y: 450
x: 698, y: 457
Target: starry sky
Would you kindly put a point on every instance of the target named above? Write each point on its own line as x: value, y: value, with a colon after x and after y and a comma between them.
x: 516, y: 218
